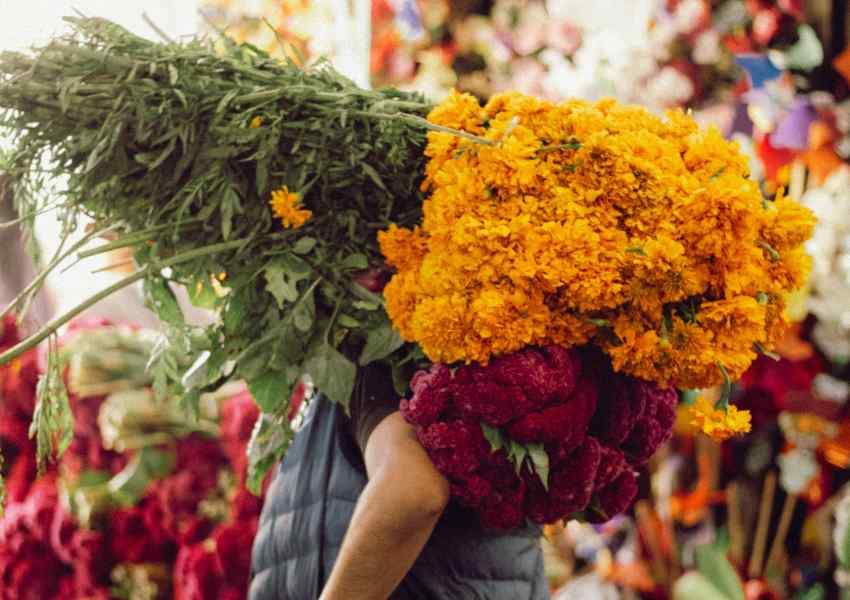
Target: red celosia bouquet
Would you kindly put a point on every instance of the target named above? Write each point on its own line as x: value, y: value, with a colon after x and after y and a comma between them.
x: 541, y: 434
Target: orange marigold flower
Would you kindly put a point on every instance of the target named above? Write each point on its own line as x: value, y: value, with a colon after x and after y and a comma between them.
x: 286, y: 206
x: 787, y: 224
x: 718, y: 423
x: 256, y: 122
x: 593, y: 222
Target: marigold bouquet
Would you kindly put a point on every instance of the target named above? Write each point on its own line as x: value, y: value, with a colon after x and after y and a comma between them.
x: 519, y: 237
x: 600, y: 223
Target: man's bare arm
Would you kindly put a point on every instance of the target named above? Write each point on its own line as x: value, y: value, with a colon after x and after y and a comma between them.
x: 394, y: 517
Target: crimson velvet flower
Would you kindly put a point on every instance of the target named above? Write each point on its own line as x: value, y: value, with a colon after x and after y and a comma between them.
x: 218, y: 567
x: 29, y: 566
x: 133, y: 538
x: 86, y: 451
x: 238, y: 415
x: 595, y: 426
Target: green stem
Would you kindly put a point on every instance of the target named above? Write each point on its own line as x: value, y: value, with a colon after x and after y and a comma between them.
x: 425, y: 123
x: 726, y: 390
x: 132, y: 239
x: 29, y: 215
x: 36, y: 283
x: 51, y: 328
x: 555, y: 148
x: 771, y: 251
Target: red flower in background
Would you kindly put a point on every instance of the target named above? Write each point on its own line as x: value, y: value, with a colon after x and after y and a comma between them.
x: 135, y: 538
x: 29, y: 566
x: 86, y: 451
x: 44, y: 554
x: 238, y: 416
x: 219, y: 567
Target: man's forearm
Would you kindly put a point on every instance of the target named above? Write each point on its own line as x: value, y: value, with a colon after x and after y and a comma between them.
x: 379, y: 549
x: 394, y: 517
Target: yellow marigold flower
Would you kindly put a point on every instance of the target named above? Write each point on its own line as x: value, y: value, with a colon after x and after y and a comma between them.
x: 256, y: 122
x: 286, y: 206
x: 717, y: 423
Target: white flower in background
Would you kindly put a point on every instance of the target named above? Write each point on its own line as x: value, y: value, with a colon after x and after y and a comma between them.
x: 626, y: 17
x: 829, y: 298
x: 688, y: 15
x: 707, y: 50
x: 623, y: 47
x: 669, y: 87
x: 827, y: 387
x: 797, y: 468
x: 745, y: 143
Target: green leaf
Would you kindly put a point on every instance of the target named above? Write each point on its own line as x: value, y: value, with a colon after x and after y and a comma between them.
x: 201, y: 293
x: 695, y: 586
x: 234, y: 314
x: 149, y: 464
x: 356, y: 262
x: 364, y: 305
x: 304, y: 313
x: 304, y: 245
x: 52, y: 421
x: 160, y: 298
x: 540, y: 460
x: 270, y: 438
x: 348, y: 321
x: 282, y: 277
x: 816, y: 592
x: 401, y: 377
x: 494, y: 436
x: 517, y: 453
x: 373, y: 175
x: 807, y: 53
x: 380, y: 343
x: 281, y: 287
x: 196, y: 375
x: 230, y: 205
x: 290, y: 345
x: 332, y: 373
x: 272, y: 389
x: 715, y: 567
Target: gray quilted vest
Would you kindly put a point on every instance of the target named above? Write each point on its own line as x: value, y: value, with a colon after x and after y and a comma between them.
x: 310, y: 503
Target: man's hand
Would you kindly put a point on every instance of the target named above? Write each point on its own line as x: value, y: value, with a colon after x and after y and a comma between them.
x: 394, y: 516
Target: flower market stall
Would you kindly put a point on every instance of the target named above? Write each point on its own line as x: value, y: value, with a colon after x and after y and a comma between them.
x: 628, y: 325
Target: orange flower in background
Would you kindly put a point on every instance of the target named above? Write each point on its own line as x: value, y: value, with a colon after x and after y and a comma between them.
x: 286, y: 206
x: 717, y: 423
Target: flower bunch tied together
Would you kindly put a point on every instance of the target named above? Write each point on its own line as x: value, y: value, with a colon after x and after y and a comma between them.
x: 599, y: 224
